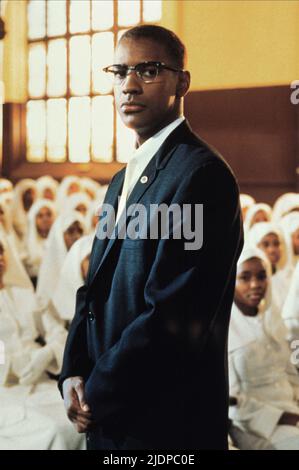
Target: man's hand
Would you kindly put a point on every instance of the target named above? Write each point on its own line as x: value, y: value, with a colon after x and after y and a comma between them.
x: 74, y: 401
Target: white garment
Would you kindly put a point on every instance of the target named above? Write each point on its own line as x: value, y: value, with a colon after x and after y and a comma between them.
x: 140, y: 159
x: 290, y: 311
x: 64, y: 298
x: 289, y: 224
x: 74, y: 200
x: 35, y: 244
x: 46, y: 182
x: 285, y: 204
x: 252, y: 211
x: 63, y: 189
x: 56, y: 252
x: 261, y: 376
x: 20, y: 219
x: 15, y: 274
x: 282, y: 278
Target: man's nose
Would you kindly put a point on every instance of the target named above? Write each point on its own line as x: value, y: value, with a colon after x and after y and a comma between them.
x: 132, y: 84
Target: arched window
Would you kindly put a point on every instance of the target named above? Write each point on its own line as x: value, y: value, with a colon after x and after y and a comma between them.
x: 70, y: 112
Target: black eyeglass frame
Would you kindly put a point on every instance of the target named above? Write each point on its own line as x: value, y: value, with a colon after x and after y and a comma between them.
x: 159, y: 65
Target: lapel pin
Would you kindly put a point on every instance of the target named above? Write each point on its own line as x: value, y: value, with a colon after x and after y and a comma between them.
x: 143, y: 179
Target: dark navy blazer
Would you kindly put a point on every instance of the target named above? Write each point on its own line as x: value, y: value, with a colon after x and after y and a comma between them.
x: 149, y: 335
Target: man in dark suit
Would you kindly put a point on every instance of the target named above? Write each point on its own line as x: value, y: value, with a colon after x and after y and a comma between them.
x: 145, y: 364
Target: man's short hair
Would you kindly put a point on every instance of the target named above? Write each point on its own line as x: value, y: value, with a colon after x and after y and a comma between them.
x: 171, y: 42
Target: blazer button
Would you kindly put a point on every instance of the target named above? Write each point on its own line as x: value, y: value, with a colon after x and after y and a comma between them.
x: 90, y: 316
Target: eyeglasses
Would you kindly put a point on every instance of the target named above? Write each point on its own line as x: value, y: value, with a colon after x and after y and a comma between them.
x: 146, y: 71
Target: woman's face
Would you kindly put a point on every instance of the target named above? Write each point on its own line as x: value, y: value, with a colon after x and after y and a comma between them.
x: 270, y: 245
x: 2, y: 261
x: 44, y: 220
x: 81, y: 208
x: 72, y: 234
x: 73, y: 188
x: 251, y: 284
x: 259, y: 216
x: 84, y: 267
x: 29, y: 197
x: 48, y: 194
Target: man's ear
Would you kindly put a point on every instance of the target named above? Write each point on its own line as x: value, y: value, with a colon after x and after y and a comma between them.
x: 183, y: 84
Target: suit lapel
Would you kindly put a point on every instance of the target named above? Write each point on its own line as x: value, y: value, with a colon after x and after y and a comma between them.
x: 158, y: 162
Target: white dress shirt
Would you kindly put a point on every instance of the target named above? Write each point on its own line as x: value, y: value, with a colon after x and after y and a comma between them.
x: 140, y: 159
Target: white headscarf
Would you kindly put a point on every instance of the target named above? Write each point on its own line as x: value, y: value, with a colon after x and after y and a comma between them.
x: 35, y: 243
x: 74, y: 200
x: 291, y: 306
x: 244, y: 329
x: 260, y: 230
x: 54, y: 257
x: 5, y: 185
x: 70, y: 278
x: 62, y: 192
x: 246, y: 200
x: 253, y: 210
x: 20, y: 219
x: 46, y: 182
x: 5, y: 206
x: 15, y: 274
x: 90, y: 186
x: 289, y: 224
x: 285, y: 204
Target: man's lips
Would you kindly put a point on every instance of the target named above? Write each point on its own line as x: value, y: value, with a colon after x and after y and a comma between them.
x: 132, y: 107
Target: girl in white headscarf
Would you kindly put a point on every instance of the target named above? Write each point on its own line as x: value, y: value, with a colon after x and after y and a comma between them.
x: 290, y: 226
x: 262, y: 378
x: 285, y: 204
x: 5, y: 185
x: 77, y: 202
x: 290, y: 311
x: 246, y: 201
x: 90, y: 187
x: 32, y: 414
x: 69, y: 185
x: 257, y: 213
x: 63, y: 234
x: 25, y: 194
x: 41, y: 217
x: 47, y: 187
x: 269, y: 238
x: 72, y: 276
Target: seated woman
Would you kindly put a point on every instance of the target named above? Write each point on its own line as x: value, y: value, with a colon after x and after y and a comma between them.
x: 32, y: 414
x: 290, y: 226
x: 47, y: 187
x: 257, y: 213
x: 63, y: 234
x: 269, y: 238
x: 25, y: 194
x: 72, y: 276
x: 290, y: 311
x: 41, y: 217
x: 262, y: 377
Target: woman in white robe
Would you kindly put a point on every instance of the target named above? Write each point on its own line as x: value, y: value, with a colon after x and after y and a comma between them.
x: 69, y: 185
x: 72, y: 276
x: 262, y: 377
x: 41, y: 217
x: 90, y: 187
x: 64, y: 232
x: 256, y: 213
x: 246, y: 201
x: 32, y: 414
x: 47, y: 187
x: 290, y: 226
x: 269, y: 238
x: 77, y: 202
x: 25, y: 194
x: 290, y: 311
x: 285, y: 204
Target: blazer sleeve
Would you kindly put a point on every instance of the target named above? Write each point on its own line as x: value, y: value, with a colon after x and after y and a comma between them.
x: 183, y: 294
x: 75, y: 358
